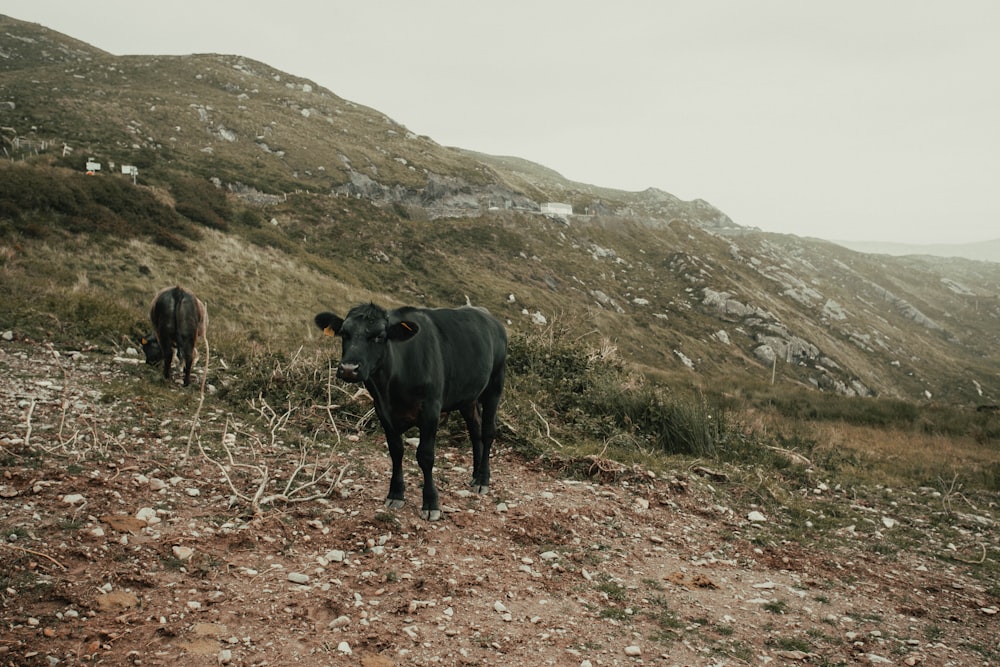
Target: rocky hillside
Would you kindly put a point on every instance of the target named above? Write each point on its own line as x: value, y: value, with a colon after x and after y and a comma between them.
x: 682, y: 290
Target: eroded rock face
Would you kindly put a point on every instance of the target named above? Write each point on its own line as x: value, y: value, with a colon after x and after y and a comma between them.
x: 441, y: 196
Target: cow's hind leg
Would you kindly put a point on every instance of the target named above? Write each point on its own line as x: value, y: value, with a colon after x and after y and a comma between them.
x: 487, y: 431
x: 186, y: 349
x: 397, y: 486
x: 474, y: 422
x: 167, y: 346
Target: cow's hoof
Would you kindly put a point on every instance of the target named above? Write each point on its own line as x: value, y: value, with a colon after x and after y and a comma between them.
x: 430, y: 515
x: 480, y: 488
x: 393, y: 503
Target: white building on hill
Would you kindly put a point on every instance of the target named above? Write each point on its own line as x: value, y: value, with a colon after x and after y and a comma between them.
x: 553, y: 208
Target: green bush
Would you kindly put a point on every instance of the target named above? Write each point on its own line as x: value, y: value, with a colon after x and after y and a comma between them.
x: 50, y: 201
x: 201, y: 201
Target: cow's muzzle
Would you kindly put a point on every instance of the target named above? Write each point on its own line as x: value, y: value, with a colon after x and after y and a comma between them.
x: 348, y: 372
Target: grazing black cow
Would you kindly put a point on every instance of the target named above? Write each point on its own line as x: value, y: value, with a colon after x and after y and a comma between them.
x: 417, y: 363
x: 179, y: 318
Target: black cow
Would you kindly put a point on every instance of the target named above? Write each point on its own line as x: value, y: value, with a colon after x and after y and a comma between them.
x: 418, y: 363
x: 179, y: 318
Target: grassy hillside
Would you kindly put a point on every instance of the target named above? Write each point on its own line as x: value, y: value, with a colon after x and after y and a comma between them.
x: 638, y: 323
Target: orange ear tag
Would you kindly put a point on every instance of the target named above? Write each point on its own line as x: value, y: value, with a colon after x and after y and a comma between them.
x: 328, y: 331
x: 406, y: 326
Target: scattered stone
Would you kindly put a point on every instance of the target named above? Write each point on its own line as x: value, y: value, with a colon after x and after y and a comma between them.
x: 344, y: 648
x: 116, y: 601
x: 335, y: 556
x: 182, y: 552
x: 73, y: 499
x: 298, y: 578
x: 549, y: 555
x: 633, y: 650
x: 797, y: 656
x: 225, y: 656
x: 756, y: 517
x: 147, y: 514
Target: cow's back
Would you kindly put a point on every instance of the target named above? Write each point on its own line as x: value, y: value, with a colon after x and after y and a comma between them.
x: 471, y: 347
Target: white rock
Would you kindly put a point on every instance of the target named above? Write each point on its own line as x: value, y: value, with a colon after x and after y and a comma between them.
x: 335, y: 556
x: 8, y: 335
x: 888, y: 522
x: 344, y: 648
x: 633, y: 650
x: 147, y: 514
x: 549, y: 555
x: 340, y: 622
x: 756, y: 517
x: 225, y: 656
x: 499, y: 607
x: 182, y: 553
x: 298, y: 578
x: 72, y: 498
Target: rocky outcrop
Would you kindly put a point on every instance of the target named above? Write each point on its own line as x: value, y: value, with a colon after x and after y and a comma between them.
x: 441, y: 195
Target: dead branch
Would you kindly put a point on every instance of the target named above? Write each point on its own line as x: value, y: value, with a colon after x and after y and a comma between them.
x: 35, y: 553
x: 201, y: 395
x: 973, y: 562
x: 548, y: 431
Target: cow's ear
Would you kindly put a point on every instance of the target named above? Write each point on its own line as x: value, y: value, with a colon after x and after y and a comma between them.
x: 404, y: 330
x: 329, y: 323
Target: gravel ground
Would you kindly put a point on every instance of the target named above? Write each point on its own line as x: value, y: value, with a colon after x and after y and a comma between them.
x: 119, y: 546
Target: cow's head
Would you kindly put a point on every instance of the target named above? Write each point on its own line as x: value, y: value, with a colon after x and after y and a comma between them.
x: 366, y: 334
x: 152, y: 350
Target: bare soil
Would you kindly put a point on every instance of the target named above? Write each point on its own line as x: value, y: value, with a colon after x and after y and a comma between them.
x: 120, y: 546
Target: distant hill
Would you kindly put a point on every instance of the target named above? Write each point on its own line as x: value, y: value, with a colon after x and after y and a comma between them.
x: 987, y: 251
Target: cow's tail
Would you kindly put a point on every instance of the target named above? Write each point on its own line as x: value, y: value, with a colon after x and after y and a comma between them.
x: 178, y: 299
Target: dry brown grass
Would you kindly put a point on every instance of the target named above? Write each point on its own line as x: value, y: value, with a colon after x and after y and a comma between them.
x: 894, y: 457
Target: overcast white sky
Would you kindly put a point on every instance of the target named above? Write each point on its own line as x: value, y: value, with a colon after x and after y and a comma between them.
x: 861, y: 120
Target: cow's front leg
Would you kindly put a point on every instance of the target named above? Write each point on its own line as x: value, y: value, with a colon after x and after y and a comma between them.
x: 430, y: 509
x: 396, y: 485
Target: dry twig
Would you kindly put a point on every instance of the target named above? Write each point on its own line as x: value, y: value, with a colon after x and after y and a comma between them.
x: 35, y: 553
